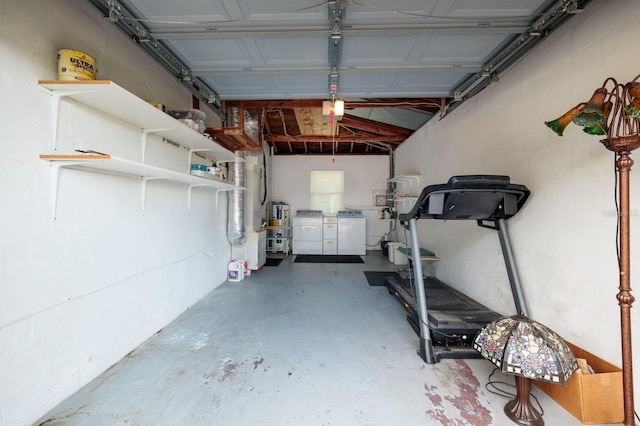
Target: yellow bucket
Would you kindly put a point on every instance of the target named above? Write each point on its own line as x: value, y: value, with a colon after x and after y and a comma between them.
x: 75, y: 65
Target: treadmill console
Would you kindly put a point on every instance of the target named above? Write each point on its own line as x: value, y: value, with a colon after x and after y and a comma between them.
x: 497, y: 181
x: 470, y: 197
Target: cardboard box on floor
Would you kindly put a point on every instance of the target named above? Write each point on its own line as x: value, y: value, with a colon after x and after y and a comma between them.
x: 591, y: 398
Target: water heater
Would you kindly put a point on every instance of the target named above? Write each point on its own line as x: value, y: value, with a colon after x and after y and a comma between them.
x: 280, y: 214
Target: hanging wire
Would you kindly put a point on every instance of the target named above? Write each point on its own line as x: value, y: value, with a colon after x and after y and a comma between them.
x: 282, y: 119
x: 284, y: 123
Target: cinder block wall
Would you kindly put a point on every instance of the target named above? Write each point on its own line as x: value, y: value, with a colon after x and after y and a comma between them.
x: 79, y: 292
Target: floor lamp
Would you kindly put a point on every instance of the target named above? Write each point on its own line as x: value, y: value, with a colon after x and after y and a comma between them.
x: 614, y: 112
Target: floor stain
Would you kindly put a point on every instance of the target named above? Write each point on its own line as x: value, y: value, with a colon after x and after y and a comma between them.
x: 461, y: 404
x: 229, y: 371
x: 61, y: 421
x: 105, y: 376
x: 206, y: 377
x: 257, y: 363
x: 432, y: 394
x: 229, y: 367
x: 440, y: 417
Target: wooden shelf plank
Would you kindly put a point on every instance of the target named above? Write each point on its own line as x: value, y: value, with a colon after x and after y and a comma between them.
x: 75, y: 156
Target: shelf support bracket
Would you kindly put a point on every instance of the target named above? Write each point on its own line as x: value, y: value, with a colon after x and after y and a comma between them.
x: 218, y: 193
x: 191, y: 151
x: 143, y: 141
x: 143, y: 194
x: 55, y: 179
x: 56, y: 96
x: 193, y: 185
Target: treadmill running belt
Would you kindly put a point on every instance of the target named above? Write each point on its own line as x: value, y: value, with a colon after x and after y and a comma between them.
x: 449, y: 311
x: 443, y: 297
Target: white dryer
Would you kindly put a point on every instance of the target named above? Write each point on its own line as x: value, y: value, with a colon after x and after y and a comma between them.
x: 307, y: 232
x: 352, y: 232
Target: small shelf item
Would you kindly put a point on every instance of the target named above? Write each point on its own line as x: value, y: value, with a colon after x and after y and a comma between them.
x: 410, y: 257
x: 424, y: 254
x: 111, y: 99
x: 107, y: 164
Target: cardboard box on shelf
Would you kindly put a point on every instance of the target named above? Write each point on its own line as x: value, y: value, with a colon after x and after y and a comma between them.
x: 591, y: 398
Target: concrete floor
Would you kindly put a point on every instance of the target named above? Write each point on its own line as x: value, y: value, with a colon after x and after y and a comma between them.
x: 295, y: 344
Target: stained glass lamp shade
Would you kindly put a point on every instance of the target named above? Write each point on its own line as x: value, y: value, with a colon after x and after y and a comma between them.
x: 529, y: 350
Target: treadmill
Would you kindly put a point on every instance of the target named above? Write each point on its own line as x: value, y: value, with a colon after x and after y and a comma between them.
x: 445, y: 319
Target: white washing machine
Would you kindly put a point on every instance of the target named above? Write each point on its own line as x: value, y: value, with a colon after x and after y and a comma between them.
x: 352, y: 232
x: 307, y: 232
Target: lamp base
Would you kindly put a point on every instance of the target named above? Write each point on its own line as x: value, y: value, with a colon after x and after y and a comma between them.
x: 520, y: 410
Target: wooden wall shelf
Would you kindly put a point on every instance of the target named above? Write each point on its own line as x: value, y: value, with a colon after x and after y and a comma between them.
x: 110, y: 99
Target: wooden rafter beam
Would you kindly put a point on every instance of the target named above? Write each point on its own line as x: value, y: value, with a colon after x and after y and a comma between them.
x: 338, y: 139
x: 372, y: 126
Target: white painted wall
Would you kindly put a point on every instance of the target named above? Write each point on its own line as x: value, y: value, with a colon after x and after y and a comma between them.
x: 80, y: 292
x: 362, y: 175
x: 564, y: 239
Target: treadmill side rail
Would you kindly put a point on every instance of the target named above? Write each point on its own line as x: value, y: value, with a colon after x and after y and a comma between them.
x: 426, y: 347
x: 512, y: 269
